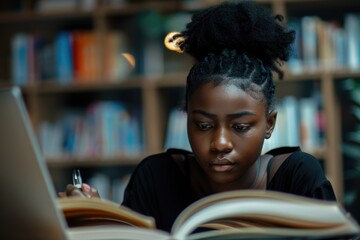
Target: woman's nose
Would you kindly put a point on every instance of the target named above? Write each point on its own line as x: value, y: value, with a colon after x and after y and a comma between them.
x: 221, y: 141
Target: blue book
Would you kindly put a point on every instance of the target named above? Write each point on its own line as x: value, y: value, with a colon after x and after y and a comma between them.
x: 352, y: 28
x: 295, y: 62
x: 19, y: 61
x: 310, y: 41
x: 63, y: 58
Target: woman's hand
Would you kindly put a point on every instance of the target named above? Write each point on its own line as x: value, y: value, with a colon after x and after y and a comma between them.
x: 86, y: 191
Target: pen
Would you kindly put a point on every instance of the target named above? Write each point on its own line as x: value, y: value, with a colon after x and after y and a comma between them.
x: 77, y: 180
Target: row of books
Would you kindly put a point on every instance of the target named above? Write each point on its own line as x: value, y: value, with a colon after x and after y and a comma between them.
x: 83, y: 56
x: 300, y: 122
x: 104, y: 130
x: 325, y: 45
x: 70, y: 56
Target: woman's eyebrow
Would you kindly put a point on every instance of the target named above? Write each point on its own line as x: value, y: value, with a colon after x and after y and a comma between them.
x: 241, y: 114
x: 201, y: 112
x: 232, y: 115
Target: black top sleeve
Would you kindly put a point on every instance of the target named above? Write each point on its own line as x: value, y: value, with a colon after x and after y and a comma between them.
x: 301, y: 174
x: 159, y: 189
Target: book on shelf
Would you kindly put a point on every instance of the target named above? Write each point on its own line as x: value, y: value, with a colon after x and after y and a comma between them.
x: 310, y: 42
x: 86, y: 56
x: 64, y: 57
x: 176, y: 132
x: 290, y: 106
x: 326, y: 44
x: 352, y: 28
x: 341, y: 44
x: 230, y: 215
x: 112, y: 55
x: 295, y: 62
x: 310, y: 123
x: 19, y: 58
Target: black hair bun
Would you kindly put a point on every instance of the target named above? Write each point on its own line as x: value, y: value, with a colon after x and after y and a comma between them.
x: 244, y: 26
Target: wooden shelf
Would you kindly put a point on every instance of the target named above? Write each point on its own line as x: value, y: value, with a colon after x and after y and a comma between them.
x: 53, y: 88
x: 31, y: 16
x: 164, y: 81
x: 135, y: 8
x: 91, y: 162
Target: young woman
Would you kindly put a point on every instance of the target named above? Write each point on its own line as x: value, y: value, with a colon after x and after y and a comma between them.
x: 230, y: 108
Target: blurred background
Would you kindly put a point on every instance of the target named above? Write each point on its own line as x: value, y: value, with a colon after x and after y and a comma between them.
x: 103, y: 91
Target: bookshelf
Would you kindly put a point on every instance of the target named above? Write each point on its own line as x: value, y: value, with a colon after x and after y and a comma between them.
x: 153, y: 93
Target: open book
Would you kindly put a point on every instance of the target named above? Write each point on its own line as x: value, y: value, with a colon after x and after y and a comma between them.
x: 228, y: 215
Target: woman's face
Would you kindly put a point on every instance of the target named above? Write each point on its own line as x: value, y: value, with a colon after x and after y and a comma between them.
x: 226, y: 128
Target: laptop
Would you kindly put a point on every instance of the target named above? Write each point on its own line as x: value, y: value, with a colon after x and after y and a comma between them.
x: 28, y: 197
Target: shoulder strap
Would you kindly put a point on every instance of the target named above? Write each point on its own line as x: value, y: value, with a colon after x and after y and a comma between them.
x: 275, y: 164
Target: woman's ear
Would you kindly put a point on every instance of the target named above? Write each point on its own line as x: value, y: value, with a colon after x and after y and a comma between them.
x: 270, y: 123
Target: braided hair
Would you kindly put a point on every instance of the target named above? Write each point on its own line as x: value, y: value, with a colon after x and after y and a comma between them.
x: 237, y: 43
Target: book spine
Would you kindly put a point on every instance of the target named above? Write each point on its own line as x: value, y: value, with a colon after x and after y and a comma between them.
x: 19, y: 45
x: 309, y: 129
x: 64, y: 58
x: 352, y: 28
x: 310, y: 42
x: 176, y: 133
x: 47, y: 61
x: 291, y: 110
x: 295, y: 60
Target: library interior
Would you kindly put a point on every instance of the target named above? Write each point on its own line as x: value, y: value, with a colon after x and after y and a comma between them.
x: 103, y: 92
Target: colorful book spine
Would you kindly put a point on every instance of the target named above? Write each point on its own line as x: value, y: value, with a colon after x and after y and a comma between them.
x: 310, y: 42
x: 352, y: 28
x: 64, y: 57
x: 20, y: 57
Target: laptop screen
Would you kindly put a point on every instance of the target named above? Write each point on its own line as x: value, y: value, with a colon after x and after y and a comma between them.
x: 27, y: 202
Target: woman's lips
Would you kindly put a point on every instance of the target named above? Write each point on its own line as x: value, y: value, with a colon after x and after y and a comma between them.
x: 223, y: 165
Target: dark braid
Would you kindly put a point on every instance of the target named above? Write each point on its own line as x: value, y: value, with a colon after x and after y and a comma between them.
x: 237, y: 43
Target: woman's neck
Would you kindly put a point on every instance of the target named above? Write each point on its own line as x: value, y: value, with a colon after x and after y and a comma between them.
x: 254, y: 179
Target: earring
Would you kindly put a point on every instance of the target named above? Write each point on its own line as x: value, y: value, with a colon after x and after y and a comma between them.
x: 268, y: 134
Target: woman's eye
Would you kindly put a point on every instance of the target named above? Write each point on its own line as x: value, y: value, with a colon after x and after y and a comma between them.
x: 241, y: 127
x: 204, y: 126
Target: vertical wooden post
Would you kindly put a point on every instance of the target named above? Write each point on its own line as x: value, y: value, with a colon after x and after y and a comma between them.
x: 100, y: 29
x: 152, y: 113
x: 333, y: 154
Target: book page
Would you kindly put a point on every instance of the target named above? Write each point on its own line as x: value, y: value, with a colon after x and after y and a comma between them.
x: 271, y: 234
x: 85, y: 211
x: 116, y: 233
x: 275, y: 210
x: 240, y: 194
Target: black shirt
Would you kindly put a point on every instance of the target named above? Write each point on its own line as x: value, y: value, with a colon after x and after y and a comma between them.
x: 160, y: 189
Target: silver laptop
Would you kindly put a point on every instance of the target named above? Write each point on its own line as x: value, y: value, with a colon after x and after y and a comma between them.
x: 28, y: 198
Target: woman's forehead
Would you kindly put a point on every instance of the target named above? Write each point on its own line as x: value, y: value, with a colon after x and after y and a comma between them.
x: 209, y: 90
x: 226, y: 96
